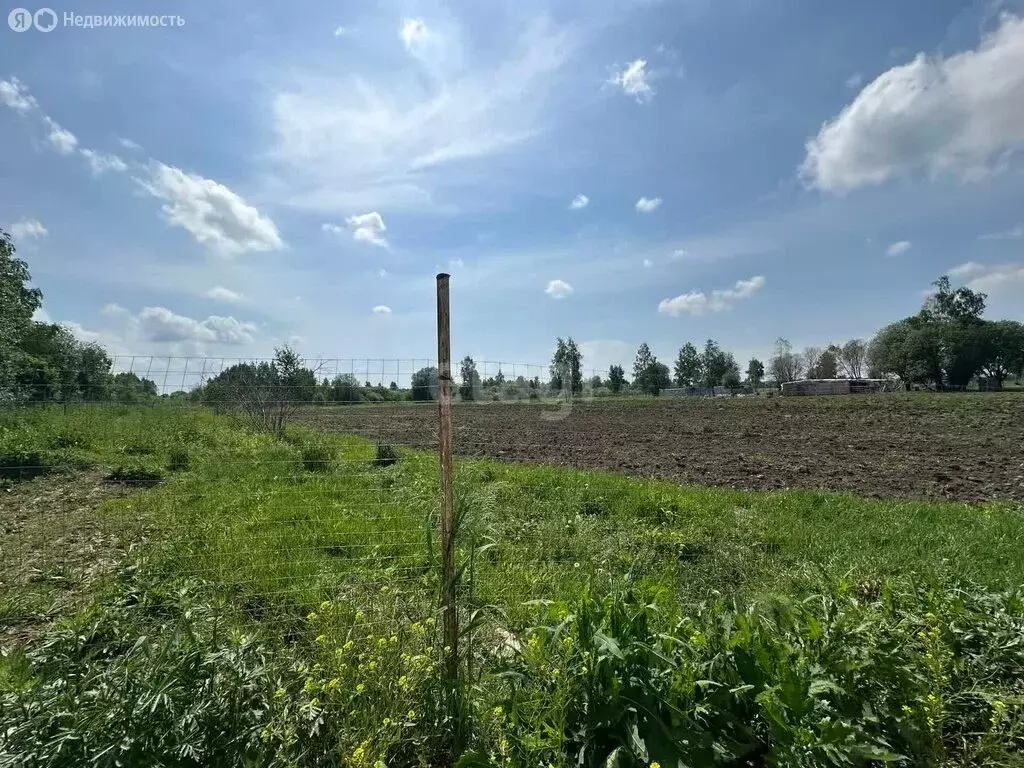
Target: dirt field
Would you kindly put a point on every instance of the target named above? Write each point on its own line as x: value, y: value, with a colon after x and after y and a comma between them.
x: 955, y: 446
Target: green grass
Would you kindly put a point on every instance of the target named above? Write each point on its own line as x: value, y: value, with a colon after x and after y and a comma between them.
x: 310, y: 544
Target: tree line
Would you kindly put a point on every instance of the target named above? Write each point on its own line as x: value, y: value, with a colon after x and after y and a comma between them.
x: 945, y: 345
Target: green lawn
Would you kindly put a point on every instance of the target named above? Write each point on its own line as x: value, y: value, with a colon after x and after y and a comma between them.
x: 300, y: 562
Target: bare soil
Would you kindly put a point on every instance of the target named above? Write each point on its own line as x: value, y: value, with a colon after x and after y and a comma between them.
x: 967, y: 447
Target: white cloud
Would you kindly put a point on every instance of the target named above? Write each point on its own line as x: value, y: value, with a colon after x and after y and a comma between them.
x: 381, y: 309
x: 959, y: 115
x: 113, y: 309
x: 41, y: 316
x: 60, y: 139
x: 1017, y: 233
x: 220, y: 293
x: 991, y: 279
x: 15, y: 95
x: 633, y: 80
x: 855, y: 80
x: 679, y: 254
x: 159, y: 324
x: 367, y: 228
x: 558, y: 289
x: 578, y: 202
x: 100, y: 163
x: 382, y: 273
x: 211, y: 212
x: 413, y: 32
x: 129, y: 144
x: 80, y: 333
x: 966, y: 269
x: 898, y: 248
x: 341, y: 31
x: 26, y: 228
x: 390, y: 133
x: 698, y: 302
x: 648, y: 204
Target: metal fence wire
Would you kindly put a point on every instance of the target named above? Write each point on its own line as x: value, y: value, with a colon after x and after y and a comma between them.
x: 283, y: 485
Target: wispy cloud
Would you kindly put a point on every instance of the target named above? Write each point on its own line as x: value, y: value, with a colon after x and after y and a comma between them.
x: 28, y: 228
x: 220, y: 293
x: 391, y: 133
x: 1017, y: 233
x: 634, y: 80
x: 898, y: 248
x: 579, y: 202
x: 100, y: 163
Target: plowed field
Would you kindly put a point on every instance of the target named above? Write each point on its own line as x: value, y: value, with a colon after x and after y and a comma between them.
x: 967, y: 447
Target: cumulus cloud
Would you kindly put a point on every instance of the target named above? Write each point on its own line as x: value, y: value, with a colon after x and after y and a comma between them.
x: 220, y: 293
x: 898, y: 248
x: 413, y: 32
x: 648, y: 204
x: 100, y: 163
x: 959, y: 115
x: 381, y: 309
x: 159, y: 324
x: 633, y: 80
x: 367, y: 228
x: 698, y: 302
x: 80, y: 333
x: 15, y: 95
x: 59, y: 138
x: 578, y: 202
x: 558, y: 289
x: 26, y: 228
x: 213, y: 214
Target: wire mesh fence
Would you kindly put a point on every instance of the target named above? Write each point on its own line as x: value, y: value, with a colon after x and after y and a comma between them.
x: 282, y: 484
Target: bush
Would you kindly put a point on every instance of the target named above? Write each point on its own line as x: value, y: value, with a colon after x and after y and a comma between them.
x: 317, y: 457
x: 386, y: 455
x: 178, y: 460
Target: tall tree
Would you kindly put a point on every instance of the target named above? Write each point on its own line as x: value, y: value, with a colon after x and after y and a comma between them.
x: 616, y: 378
x: 575, y: 358
x: 470, y: 388
x: 755, y: 372
x: 1003, y: 349
x: 715, y: 364
x: 643, y: 361
x: 853, y: 358
x: 828, y: 363
x: 687, y: 368
x: 649, y: 376
x: 785, y: 365
x: 809, y: 359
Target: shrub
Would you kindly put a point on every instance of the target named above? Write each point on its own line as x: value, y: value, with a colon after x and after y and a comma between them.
x: 386, y: 455
x: 317, y: 457
x: 178, y: 460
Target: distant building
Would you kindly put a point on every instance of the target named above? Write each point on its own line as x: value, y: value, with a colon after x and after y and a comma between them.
x: 836, y: 386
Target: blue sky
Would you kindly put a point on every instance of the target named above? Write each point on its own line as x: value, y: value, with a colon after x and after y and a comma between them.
x: 619, y: 172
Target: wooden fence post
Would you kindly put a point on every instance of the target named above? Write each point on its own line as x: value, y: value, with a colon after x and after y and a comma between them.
x: 444, y: 448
